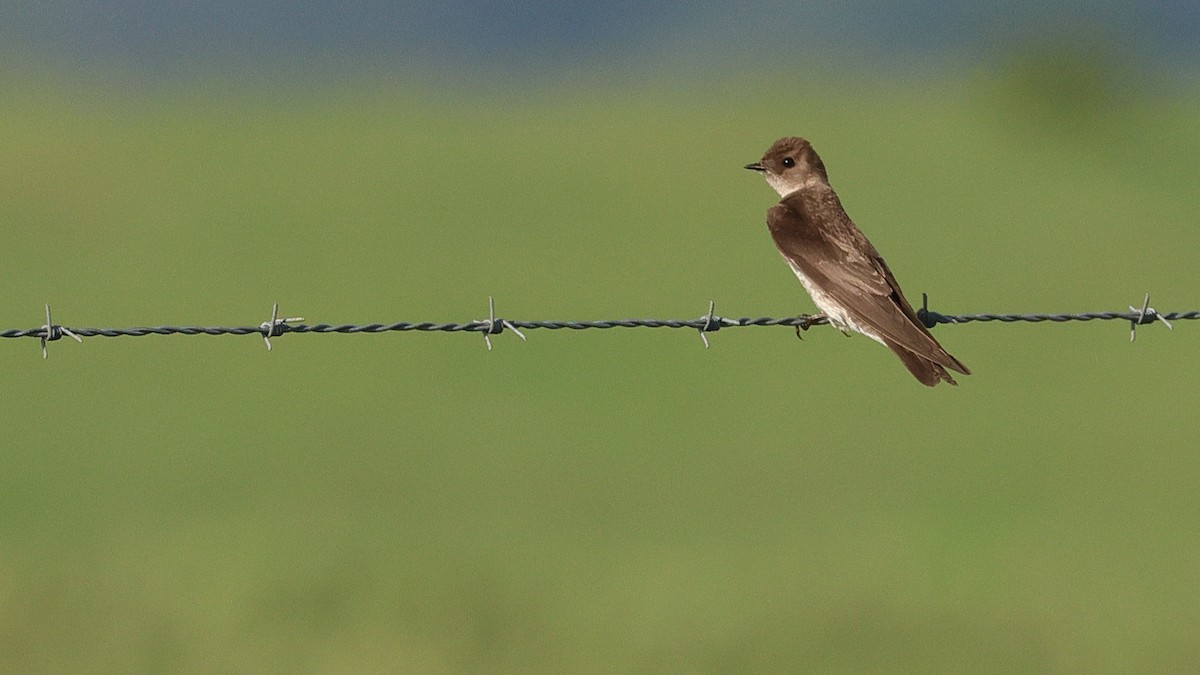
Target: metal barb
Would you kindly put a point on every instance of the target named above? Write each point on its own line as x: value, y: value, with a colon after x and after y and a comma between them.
x: 712, y: 322
x: 923, y: 313
x: 276, y: 326
x: 1145, y: 315
x: 931, y: 319
x: 496, y: 326
x: 53, y: 333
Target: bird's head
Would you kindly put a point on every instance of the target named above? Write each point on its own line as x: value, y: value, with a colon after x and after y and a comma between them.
x: 789, y: 164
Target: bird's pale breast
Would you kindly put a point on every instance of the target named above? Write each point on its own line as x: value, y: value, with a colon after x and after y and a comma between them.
x: 838, y: 315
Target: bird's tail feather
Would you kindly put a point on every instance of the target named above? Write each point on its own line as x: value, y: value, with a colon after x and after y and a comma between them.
x: 928, y: 372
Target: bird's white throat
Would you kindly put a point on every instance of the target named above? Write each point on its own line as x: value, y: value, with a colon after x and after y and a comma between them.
x: 786, y: 185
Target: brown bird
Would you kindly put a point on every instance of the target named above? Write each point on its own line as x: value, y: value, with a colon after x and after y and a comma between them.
x: 846, y: 277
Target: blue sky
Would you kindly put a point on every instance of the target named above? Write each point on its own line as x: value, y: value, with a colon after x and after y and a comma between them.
x: 527, y: 36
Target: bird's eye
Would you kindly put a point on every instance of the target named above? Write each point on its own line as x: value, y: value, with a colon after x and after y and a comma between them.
x: 789, y: 162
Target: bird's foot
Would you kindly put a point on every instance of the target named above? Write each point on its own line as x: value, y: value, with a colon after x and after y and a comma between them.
x: 807, y: 321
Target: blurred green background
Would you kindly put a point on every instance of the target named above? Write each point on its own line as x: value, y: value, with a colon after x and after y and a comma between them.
x: 600, y: 501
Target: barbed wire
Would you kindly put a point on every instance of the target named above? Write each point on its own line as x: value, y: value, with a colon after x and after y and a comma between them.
x: 493, y: 325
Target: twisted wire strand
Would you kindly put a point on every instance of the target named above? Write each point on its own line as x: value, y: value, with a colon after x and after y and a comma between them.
x: 495, y: 325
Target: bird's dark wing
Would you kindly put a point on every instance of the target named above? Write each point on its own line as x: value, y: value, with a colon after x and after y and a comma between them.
x: 827, y: 247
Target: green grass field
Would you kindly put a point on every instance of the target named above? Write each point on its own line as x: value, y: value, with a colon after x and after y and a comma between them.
x: 600, y: 501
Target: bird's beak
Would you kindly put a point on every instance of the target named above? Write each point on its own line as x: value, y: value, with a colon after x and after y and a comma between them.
x: 757, y: 166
